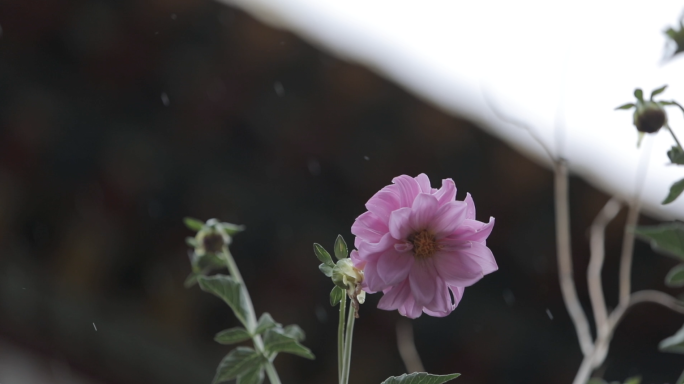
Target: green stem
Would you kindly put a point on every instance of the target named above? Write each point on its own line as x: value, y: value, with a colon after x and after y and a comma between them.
x: 251, y: 316
x: 346, y: 362
x: 340, y: 338
x: 674, y: 137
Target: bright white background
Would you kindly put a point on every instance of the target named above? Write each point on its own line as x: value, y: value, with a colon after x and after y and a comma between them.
x: 562, y: 67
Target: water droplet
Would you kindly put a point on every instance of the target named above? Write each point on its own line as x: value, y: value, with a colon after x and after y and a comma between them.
x: 173, y: 16
x: 549, y: 314
x: 366, y: 158
x: 279, y: 90
x: 165, y: 99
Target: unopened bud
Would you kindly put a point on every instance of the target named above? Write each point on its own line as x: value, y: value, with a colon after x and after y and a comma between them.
x: 345, y: 275
x: 211, y: 240
x: 649, y: 117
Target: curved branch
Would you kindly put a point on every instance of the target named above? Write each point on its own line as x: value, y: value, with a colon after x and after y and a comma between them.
x: 597, y: 249
x: 407, y: 347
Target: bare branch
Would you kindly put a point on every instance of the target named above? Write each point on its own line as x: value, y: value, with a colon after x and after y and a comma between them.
x: 628, y: 251
x: 407, y: 347
x: 564, y: 252
x: 598, y: 302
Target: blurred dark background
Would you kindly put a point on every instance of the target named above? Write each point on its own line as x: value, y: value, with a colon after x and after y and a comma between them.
x: 118, y: 118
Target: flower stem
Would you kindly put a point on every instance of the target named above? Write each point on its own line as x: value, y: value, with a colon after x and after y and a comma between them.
x: 340, y: 339
x: 674, y: 137
x: 346, y: 362
x: 251, y: 316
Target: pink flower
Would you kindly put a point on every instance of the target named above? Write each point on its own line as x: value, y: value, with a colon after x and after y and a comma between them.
x: 416, y: 243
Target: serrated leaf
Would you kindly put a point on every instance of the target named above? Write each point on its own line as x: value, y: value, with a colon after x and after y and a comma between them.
x: 239, y: 361
x: 676, y: 155
x: 229, y: 290
x: 667, y: 238
x: 341, y: 251
x: 626, y: 106
x: 639, y: 94
x: 655, y: 93
x: 323, y: 255
x: 232, y: 336
x: 276, y: 342
x: 326, y: 269
x: 633, y: 380
x: 421, y: 378
x: 674, y: 343
x: 191, y: 280
x: 675, y: 278
x: 336, y: 295
x: 675, y: 190
x: 255, y: 376
x: 265, y: 323
x: 193, y: 224
x: 295, y: 332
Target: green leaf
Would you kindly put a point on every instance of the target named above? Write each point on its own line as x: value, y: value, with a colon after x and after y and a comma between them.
x: 326, y: 269
x: 323, y: 255
x: 232, y: 336
x: 626, y: 106
x: 294, y: 332
x: 639, y: 94
x: 421, y: 378
x: 664, y: 102
x: 232, y: 229
x: 191, y: 242
x: 193, y: 224
x: 265, y: 323
x: 275, y: 342
x: 229, y: 290
x: 655, y: 93
x: 674, y: 343
x: 255, y: 376
x: 675, y: 190
x: 676, y: 155
x: 240, y: 360
x: 596, y: 380
x: 681, y: 379
x: 336, y: 295
x: 191, y: 280
x: 635, y: 379
x: 667, y: 238
x: 675, y: 278
x: 341, y: 251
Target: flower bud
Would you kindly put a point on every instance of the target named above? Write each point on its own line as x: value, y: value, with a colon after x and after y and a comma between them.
x: 649, y: 117
x: 211, y: 240
x: 345, y: 275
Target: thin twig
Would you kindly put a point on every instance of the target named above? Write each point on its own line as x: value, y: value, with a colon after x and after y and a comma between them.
x: 407, y: 347
x: 510, y: 120
x: 597, y: 249
x: 628, y: 251
x: 564, y: 252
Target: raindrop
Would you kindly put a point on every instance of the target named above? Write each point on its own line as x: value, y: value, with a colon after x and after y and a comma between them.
x: 321, y: 314
x: 173, y: 16
x: 366, y: 158
x: 508, y: 297
x: 314, y: 167
x: 156, y: 33
x: 279, y: 90
x: 95, y: 327
x: 548, y: 313
x: 165, y: 99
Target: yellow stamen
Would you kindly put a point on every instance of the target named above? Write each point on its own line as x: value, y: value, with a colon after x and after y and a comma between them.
x: 424, y: 244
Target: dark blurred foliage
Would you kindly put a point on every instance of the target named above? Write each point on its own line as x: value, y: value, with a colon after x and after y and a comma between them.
x: 118, y: 118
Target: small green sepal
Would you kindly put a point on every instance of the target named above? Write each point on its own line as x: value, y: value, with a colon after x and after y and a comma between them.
x: 341, y: 251
x: 323, y: 255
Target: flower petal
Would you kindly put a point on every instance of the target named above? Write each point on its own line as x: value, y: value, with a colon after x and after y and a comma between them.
x: 424, y: 183
x: 448, y: 218
x: 399, y: 223
x: 440, y: 305
x: 424, y: 208
x: 470, y: 230
x: 371, y: 281
x: 366, y: 249
x: 457, y: 293
x: 423, y: 281
x: 466, y: 266
x: 447, y: 193
x: 357, y: 261
x: 395, y: 297
x: 384, y: 202
x: 393, y: 267
x: 408, y: 190
x: 369, y: 227
x: 470, y: 212
x: 410, y: 309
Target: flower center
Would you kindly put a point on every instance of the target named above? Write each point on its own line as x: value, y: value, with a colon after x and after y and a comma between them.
x: 424, y: 244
